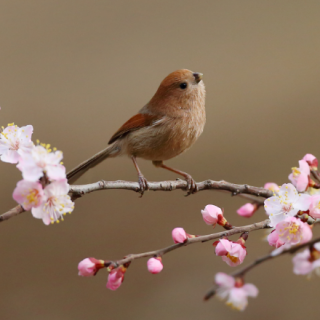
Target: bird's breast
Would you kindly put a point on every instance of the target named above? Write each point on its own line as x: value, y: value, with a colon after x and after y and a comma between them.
x: 167, y: 137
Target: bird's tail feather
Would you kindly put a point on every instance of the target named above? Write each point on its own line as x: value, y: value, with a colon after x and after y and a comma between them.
x: 82, y: 168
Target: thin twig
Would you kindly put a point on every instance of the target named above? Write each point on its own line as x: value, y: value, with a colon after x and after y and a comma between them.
x: 11, y: 213
x: 272, y: 255
x: 160, y: 252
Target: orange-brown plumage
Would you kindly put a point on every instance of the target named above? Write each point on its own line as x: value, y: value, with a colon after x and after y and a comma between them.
x: 165, y: 127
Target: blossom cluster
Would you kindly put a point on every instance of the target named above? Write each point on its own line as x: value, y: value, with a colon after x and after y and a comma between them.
x: 292, y: 209
x: 232, y: 252
x: 44, y: 188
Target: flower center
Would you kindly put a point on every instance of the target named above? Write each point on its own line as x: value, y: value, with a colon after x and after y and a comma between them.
x: 15, y: 145
x: 295, y: 171
x: 232, y: 258
x: 286, y: 208
x: 293, y: 228
x: 32, y: 197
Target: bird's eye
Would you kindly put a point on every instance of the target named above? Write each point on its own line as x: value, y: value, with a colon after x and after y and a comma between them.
x: 183, y: 85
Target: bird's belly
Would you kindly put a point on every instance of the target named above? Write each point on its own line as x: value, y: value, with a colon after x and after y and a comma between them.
x: 162, y: 142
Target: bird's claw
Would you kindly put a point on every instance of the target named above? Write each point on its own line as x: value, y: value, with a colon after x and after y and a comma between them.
x: 191, y: 186
x: 143, y: 183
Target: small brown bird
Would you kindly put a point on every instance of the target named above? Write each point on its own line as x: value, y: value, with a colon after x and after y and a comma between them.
x: 166, y: 126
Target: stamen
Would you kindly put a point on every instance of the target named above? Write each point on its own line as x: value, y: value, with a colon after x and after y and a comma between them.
x: 232, y: 258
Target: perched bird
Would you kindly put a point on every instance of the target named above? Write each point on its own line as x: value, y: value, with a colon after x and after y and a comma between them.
x: 166, y: 126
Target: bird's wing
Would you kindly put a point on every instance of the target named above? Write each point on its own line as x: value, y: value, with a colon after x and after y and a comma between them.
x: 137, y: 122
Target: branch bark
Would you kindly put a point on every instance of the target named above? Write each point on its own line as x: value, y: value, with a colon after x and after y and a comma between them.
x: 11, y: 213
x: 235, y: 189
x: 160, y: 252
x: 77, y: 191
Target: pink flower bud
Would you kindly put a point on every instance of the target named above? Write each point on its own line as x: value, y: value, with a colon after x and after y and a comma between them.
x: 211, y: 214
x: 231, y: 252
x: 115, y: 278
x: 155, y: 265
x: 247, y: 210
x: 272, y: 186
x: 311, y: 160
x: 179, y: 235
x: 89, y: 267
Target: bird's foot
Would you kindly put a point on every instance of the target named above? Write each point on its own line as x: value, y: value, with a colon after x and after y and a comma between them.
x: 191, y: 185
x: 143, y: 183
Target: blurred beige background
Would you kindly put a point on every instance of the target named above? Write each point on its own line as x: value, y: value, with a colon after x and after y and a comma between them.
x: 76, y: 70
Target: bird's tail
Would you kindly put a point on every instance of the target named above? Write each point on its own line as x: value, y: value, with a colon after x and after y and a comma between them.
x: 111, y: 151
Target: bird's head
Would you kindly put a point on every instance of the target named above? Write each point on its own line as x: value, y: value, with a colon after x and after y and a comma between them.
x: 181, y: 89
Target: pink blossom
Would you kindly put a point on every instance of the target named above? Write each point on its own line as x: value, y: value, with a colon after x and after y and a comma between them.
x: 56, y: 203
x: 247, y: 210
x: 115, y: 278
x: 307, y: 261
x: 212, y: 214
x: 234, y: 290
x: 42, y: 160
x: 314, y: 209
x: 28, y: 194
x: 272, y: 186
x: 311, y: 160
x: 155, y: 265
x: 273, y: 239
x: 14, y: 139
x: 293, y: 231
x: 300, y: 176
x: 179, y: 235
x: 89, y: 267
x: 287, y: 203
x: 231, y: 252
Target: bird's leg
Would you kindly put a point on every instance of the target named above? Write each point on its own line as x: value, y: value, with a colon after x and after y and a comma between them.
x: 143, y: 183
x: 191, y: 184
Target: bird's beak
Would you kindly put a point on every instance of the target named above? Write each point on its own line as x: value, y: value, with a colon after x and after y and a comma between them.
x: 198, y: 76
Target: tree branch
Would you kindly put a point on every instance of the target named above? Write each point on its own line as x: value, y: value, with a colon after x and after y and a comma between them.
x: 235, y: 189
x: 272, y: 255
x: 11, y: 213
x: 160, y: 252
x: 77, y: 191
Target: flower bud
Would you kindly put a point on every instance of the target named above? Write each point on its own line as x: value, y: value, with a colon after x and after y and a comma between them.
x: 116, y: 277
x: 213, y: 215
x: 89, y: 267
x: 155, y: 265
x: 311, y: 160
x: 247, y: 210
x: 231, y: 252
x: 179, y: 235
